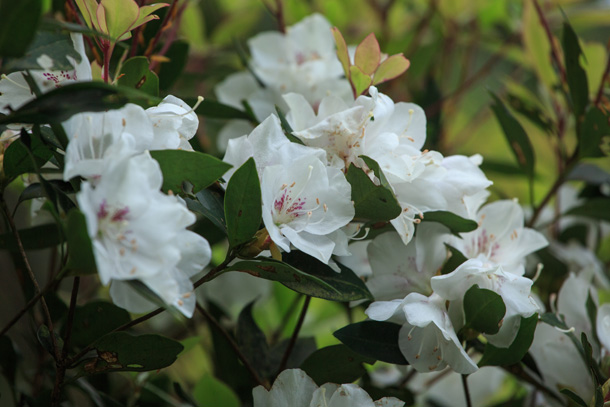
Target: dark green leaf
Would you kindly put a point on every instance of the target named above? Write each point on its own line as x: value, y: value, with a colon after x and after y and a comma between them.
x: 454, y: 260
x: 243, y: 209
x: 8, y: 359
x: 44, y: 337
x: 135, y: 74
x: 80, y: 259
x: 61, y: 103
x: 177, y: 166
x: 120, y: 351
x: 590, y: 360
x: 373, y: 165
x: 575, y: 233
x: 373, y: 339
x: 252, y: 342
x: 347, y: 283
x: 56, y: 45
x: 531, y: 111
x: 336, y: 364
x: 483, y: 310
x: 18, y: 21
x: 211, y: 392
x: 217, y: 110
x: 210, y: 204
x: 516, y: 136
x: 599, y: 397
x: 595, y: 128
x: 574, y: 397
x: 590, y: 173
x: 576, y: 76
x: 596, y: 208
x: 170, y: 71
x: 494, y: 356
x: 285, y: 125
x: 36, y: 190
x: 94, y: 320
x: 34, y: 238
x: 17, y: 159
x: 502, y: 168
x: 371, y: 202
x: 455, y: 223
x: 592, y: 314
x: 297, y: 280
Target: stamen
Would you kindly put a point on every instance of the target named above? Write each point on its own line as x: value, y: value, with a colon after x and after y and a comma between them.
x: 4, y: 76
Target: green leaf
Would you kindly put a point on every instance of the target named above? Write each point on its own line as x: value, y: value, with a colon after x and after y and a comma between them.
x: 483, y: 310
x: 34, y: 238
x: 350, y: 286
x: 493, y: 356
x: 210, y: 204
x: 576, y: 75
x: 531, y: 111
x: 252, y: 342
x: 94, y: 320
x: 18, y: 22
x: 172, y: 70
x: 211, y: 392
x: 336, y: 364
x: 574, y: 397
x: 17, y: 159
x: 122, y: 352
x: 243, y: 209
x: 455, y: 223
x: 291, y: 277
x: 217, y: 110
x: 80, y: 258
x: 56, y: 45
x: 454, y: 261
x: 342, y: 52
x: 373, y: 339
x: 135, y: 74
x: 368, y: 55
x: 371, y: 202
x: 37, y: 190
x: 391, y: 68
x: 595, y: 129
x: 516, y: 136
x: 359, y: 79
x: 61, y: 103
x: 595, y: 208
x: 177, y: 166
x: 600, y: 379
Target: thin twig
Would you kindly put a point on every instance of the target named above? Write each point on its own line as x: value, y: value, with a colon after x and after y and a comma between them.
x: 25, y: 309
x: 70, y: 320
x: 518, y: 371
x: 236, y: 349
x: 466, y: 390
x: 285, y: 318
x: 295, y: 335
x: 549, y: 34
x: 600, y: 91
x: 153, y: 43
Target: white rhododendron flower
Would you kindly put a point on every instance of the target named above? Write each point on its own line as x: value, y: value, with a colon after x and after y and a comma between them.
x: 514, y: 289
x: 294, y: 388
x: 427, y: 339
x: 139, y: 233
x: 602, y: 323
x: 304, y: 204
x: 501, y: 237
x: 174, y: 123
x: 15, y: 91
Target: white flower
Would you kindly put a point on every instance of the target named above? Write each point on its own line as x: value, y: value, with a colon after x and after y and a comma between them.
x: 603, y: 325
x: 514, y: 290
x: 304, y: 204
x: 400, y: 270
x: 501, y: 237
x: 293, y: 388
x: 174, y: 123
x: 139, y: 233
x: 427, y: 339
x: 15, y: 92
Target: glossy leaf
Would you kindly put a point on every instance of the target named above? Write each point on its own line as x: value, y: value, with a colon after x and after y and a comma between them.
x: 80, y: 258
x: 360, y: 80
x: 576, y: 75
x: 594, y: 129
x: 291, y: 277
x: 374, y: 339
x: 455, y: 223
x: 135, y: 74
x: 483, y: 310
x: 336, y: 364
x: 493, y: 356
x: 342, y: 52
x: 391, y: 68
x: 17, y: 159
x: 454, y: 261
x: 18, y: 25
x: 368, y: 55
x: 210, y: 204
x: 94, y: 320
x: 34, y: 238
x: 56, y: 45
x: 243, y: 209
x: 516, y: 136
x: 574, y: 397
x: 120, y: 351
x: 37, y: 190
x: 371, y: 202
x: 177, y: 166
x: 60, y: 104
x: 347, y: 283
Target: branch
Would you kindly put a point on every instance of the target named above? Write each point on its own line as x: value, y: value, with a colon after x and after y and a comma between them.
x: 466, y: 390
x: 554, y: 52
x: 600, y: 91
x: 295, y: 335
